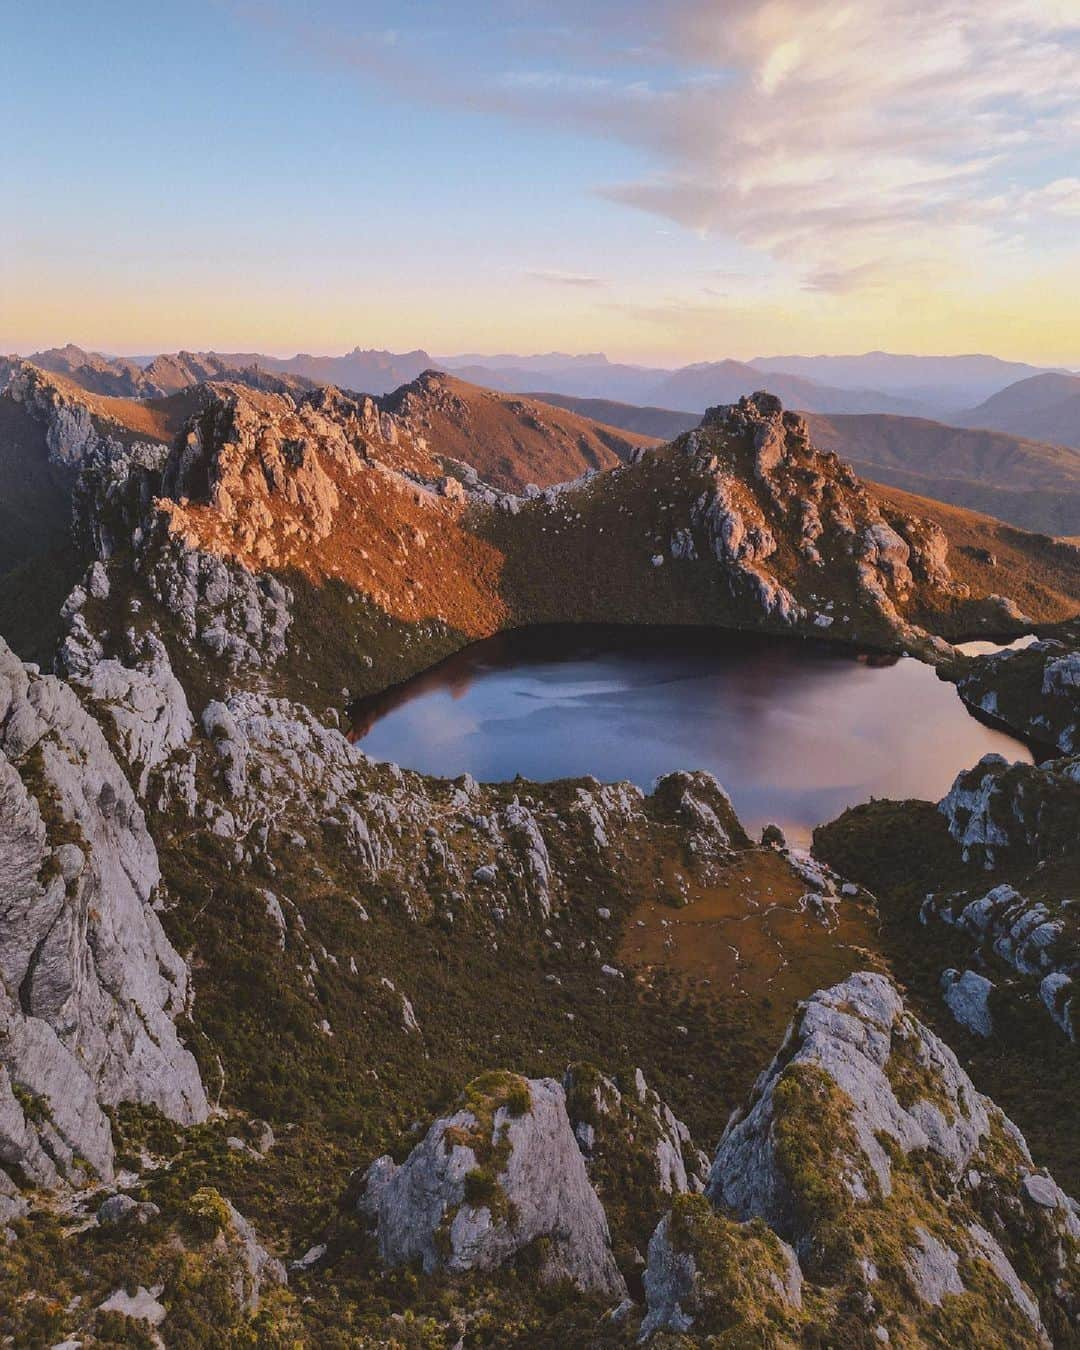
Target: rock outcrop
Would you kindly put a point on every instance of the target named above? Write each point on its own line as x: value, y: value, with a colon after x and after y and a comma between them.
x: 612, y: 1125
x: 1020, y: 821
x: 638, y: 1154
x: 865, y: 1137
x: 489, y: 1181
x: 709, y: 1276
x: 796, y: 506
x: 89, y: 984
x: 1035, y: 690
x: 999, y: 811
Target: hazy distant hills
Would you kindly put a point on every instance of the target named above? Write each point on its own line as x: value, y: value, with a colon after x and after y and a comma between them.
x: 697, y: 387
x: 690, y: 389
x: 965, y: 390
x: 946, y: 383
x: 1046, y: 407
x: 940, y: 387
x: 1025, y: 482
x: 371, y: 372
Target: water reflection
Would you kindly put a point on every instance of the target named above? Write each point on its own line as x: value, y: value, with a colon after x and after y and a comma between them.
x: 795, y: 730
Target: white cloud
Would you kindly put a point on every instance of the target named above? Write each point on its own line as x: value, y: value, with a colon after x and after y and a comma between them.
x: 850, y: 134
x: 844, y: 137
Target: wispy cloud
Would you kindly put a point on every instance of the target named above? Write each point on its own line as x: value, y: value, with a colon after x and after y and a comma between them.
x: 852, y: 134
x: 573, y: 279
x: 853, y: 142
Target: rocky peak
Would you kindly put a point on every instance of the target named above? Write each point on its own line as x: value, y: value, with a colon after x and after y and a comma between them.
x: 793, y: 521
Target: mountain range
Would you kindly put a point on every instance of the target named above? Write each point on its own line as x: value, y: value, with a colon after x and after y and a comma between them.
x: 951, y: 388
x: 1046, y: 407
x: 1013, y: 455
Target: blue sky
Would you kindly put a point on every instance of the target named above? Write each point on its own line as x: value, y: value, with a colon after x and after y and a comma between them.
x: 665, y: 182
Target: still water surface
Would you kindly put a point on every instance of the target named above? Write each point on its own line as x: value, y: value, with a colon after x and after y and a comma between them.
x: 796, y: 731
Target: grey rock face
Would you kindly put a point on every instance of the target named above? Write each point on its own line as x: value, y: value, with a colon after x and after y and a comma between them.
x: 122, y: 1209
x: 1018, y: 812
x: 682, y: 1296
x: 893, y: 1080
x: 1022, y: 816
x: 611, y: 1123
x: 112, y: 480
x: 89, y: 984
x: 967, y: 996
x: 142, y: 1306
x: 70, y: 432
x: 540, y: 1189
x: 670, y: 1279
x: 849, y: 1032
x: 1056, y: 992
x: 1035, y: 689
x: 256, y: 1268
x: 143, y: 699
x: 934, y: 1268
x: 230, y: 611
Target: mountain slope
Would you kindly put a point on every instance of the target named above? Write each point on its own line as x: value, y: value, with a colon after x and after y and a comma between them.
x: 509, y: 441
x: 662, y: 423
x: 1029, y: 483
x: 1045, y: 407
x: 1039, y: 574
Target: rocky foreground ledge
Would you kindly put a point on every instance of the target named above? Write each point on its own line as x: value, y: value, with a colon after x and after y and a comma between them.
x: 866, y: 1185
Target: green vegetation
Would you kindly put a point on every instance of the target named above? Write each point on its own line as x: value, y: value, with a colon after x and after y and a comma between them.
x: 740, y: 1268
x: 817, y: 1152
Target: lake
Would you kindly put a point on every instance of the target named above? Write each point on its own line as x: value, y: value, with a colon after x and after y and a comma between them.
x: 795, y: 730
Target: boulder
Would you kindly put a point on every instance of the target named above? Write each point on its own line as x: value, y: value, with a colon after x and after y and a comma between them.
x: 967, y: 996
x: 486, y: 1182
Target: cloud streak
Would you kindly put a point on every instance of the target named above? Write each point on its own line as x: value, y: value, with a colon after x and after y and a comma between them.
x: 571, y: 279
x: 851, y: 142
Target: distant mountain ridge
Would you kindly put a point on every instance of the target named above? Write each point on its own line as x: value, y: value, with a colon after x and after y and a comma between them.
x: 1046, y: 407
x: 662, y: 423
x: 942, y: 388
x: 953, y: 382
x: 1026, y: 482
x: 510, y: 440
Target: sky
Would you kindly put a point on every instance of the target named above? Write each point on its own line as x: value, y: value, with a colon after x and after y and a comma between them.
x: 663, y: 180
